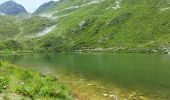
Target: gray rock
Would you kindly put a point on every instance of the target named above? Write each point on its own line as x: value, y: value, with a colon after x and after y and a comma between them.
x: 82, y: 25
x: 168, y: 53
x: 154, y: 51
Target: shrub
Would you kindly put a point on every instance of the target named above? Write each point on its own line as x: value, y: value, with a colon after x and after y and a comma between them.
x: 13, y: 45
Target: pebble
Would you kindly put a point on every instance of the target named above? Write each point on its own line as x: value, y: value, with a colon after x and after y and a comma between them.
x: 4, y: 87
x: 105, y: 94
x: 111, y: 96
x: 115, y: 97
x: 90, y: 84
x: 168, y: 53
x: 78, y: 82
x: 22, y: 83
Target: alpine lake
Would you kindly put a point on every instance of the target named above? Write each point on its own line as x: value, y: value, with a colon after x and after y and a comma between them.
x: 104, y: 76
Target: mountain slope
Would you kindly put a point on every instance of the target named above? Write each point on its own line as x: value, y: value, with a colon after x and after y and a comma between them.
x: 12, y: 8
x: 8, y: 27
x: 44, y: 7
x: 101, y: 25
x: 113, y: 23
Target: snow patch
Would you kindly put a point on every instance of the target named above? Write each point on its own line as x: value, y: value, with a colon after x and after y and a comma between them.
x: 57, y: 17
x: 44, y: 32
x: 117, y: 5
x: 51, y: 15
x: 47, y: 15
x: 69, y: 8
x: 92, y: 2
x: 83, y: 5
x: 2, y: 14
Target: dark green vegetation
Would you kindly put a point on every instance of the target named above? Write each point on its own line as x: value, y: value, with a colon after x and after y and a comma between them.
x: 8, y: 27
x: 27, y: 83
x: 113, y: 25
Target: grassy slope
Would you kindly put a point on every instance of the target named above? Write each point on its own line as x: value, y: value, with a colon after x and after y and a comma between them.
x: 8, y: 27
x: 14, y: 32
x: 35, y: 24
x: 12, y: 26
x: 16, y: 82
x: 137, y: 24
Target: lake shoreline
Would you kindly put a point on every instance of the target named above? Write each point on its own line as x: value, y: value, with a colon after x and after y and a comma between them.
x: 80, y: 88
x: 95, y: 50
x: 101, y: 75
x: 24, y: 83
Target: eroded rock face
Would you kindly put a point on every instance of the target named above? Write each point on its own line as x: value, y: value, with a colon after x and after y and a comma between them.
x: 12, y: 8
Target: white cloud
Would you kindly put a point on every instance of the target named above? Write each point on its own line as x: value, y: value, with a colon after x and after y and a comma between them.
x: 30, y: 5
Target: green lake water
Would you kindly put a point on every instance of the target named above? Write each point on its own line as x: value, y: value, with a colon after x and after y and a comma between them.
x: 146, y: 73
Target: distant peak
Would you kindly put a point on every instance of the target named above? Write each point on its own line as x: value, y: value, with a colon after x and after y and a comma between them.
x: 10, y: 1
x: 45, y: 6
x: 12, y: 8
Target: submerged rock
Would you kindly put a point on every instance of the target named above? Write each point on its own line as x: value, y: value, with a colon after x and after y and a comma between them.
x: 22, y: 83
x: 105, y: 95
x: 111, y: 96
x: 90, y: 84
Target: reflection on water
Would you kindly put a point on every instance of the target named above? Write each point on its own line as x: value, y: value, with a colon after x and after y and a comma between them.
x: 140, y: 72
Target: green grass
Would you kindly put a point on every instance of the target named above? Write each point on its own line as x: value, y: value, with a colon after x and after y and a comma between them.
x: 134, y: 25
x: 31, y: 84
x: 8, y: 27
x: 35, y: 24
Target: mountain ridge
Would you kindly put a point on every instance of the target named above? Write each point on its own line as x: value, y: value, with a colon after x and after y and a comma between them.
x: 12, y: 8
x: 44, y: 7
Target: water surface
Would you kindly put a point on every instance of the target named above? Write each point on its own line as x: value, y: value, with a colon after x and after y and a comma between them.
x: 144, y: 73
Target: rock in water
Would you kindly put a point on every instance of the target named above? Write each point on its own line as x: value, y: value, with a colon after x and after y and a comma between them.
x: 105, y: 95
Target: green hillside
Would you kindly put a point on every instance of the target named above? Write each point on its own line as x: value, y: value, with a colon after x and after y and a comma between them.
x: 128, y: 25
x: 35, y: 24
x: 15, y: 32
x: 118, y: 24
x: 8, y: 27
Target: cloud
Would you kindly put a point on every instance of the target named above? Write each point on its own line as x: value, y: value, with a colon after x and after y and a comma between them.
x: 30, y: 5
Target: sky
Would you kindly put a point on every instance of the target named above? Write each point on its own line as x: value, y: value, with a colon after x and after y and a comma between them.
x: 30, y: 5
